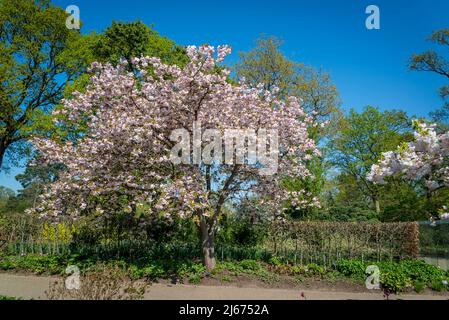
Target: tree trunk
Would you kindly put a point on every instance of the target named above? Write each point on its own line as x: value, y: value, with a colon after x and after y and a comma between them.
x: 377, y: 206
x: 2, y: 154
x: 207, y: 245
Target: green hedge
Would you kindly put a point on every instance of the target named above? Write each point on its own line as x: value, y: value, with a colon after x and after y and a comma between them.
x: 328, y: 242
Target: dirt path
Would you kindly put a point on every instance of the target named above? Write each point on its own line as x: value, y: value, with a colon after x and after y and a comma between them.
x: 28, y: 287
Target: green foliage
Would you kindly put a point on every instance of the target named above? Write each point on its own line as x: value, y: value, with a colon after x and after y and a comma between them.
x: 266, y: 64
x: 438, y: 285
x: 394, y: 276
x: 195, y: 279
x: 434, y: 239
x: 349, y: 212
x: 359, y: 142
x: 5, y: 194
x: 34, y: 263
x: 250, y: 265
x: 275, y: 261
x: 397, y: 276
x: 394, y: 281
x: 39, y: 55
x: 313, y: 268
x: 419, y: 286
x: 241, y: 229
x: 2, y: 297
x: 352, y: 268
x: 135, y: 39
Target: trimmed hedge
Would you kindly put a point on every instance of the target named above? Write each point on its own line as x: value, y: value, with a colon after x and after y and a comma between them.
x: 328, y: 242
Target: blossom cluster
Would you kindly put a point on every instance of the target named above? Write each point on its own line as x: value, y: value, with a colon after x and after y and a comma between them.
x: 423, y: 159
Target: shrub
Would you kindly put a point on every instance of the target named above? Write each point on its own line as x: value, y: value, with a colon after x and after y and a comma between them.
x: 195, y: 279
x: 351, y: 268
x: 251, y: 265
x: 313, y: 268
x: 394, y: 281
x: 274, y: 261
x: 152, y: 272
x: 101, y: 283
x: 419, y: 286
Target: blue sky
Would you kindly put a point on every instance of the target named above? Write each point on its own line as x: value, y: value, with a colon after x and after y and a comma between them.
x: 368, y: 66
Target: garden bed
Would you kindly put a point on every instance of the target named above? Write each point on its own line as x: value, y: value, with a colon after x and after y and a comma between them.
x: 346, y: 275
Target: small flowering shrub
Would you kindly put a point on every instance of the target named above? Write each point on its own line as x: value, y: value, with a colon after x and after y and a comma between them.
x: 61, y: 232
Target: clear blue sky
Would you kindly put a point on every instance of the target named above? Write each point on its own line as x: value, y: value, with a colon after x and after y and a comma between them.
x: 368, y: 66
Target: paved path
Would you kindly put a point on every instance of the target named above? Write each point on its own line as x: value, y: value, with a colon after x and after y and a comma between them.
x: 35, y: 286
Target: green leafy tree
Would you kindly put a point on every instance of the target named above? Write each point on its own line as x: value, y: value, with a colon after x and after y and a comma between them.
x: 266, y: 64
x: 358, y: 144
x: 135, y: 39
x: 38, y: 57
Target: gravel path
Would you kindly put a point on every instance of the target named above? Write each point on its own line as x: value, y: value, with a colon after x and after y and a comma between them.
x: 28, y: 287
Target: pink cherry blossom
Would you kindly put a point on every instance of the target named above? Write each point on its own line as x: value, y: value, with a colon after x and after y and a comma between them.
x: 125, y: 149
x: 424, y: 159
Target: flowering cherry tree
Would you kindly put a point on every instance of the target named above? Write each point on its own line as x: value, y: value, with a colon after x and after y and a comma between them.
x: 125, y: 150
x: 425, y: 159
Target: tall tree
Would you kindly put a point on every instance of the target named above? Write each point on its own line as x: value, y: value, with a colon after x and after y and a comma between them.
x: 39, y: 55
x: 266, y: 64
x: 359, y: 142
x: 127, y: 40
x: 127, y: 152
